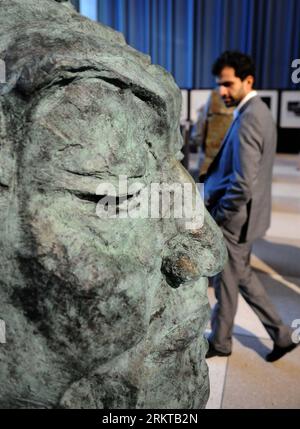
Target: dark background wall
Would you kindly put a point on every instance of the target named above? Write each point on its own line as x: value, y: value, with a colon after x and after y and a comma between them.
x: 185, y: 36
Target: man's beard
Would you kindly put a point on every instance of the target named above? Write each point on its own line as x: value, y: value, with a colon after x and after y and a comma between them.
x: 230, y: 102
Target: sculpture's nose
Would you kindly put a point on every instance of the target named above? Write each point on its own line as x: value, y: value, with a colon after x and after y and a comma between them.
x: 194, y: 252
x: 179, y: 269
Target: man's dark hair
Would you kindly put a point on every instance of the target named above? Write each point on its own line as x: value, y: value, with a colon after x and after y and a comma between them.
x: 242, y: 64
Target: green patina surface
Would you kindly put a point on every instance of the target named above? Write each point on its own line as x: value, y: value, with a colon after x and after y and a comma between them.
x: 98, y: 312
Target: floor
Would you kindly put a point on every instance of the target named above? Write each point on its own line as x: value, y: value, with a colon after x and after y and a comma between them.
x: 245, y: 379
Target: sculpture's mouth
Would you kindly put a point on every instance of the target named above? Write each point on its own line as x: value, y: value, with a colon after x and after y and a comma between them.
x: 179, y: 156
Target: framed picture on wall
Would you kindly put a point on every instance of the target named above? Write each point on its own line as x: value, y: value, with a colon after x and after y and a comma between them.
x: 184, y: 106
x: 271, y: 98
x: 198, y: 99
x: 290, y: 109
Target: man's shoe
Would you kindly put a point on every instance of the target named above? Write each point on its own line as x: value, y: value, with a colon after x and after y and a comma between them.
x: 211, y: 352
x: 278, y: 352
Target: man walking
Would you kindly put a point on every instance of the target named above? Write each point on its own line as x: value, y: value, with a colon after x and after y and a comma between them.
x: 238, y: 195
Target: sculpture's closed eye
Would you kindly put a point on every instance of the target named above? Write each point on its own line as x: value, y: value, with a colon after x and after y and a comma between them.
x: 107, y: 199
x: 110, y: 204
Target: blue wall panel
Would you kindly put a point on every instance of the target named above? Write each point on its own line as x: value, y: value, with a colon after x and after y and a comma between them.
x: 185, y: 36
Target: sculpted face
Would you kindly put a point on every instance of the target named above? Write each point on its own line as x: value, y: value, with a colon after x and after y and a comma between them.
x: 112, y: 310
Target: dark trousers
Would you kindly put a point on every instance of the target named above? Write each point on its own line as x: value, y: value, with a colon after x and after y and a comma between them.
x: 236, y: 277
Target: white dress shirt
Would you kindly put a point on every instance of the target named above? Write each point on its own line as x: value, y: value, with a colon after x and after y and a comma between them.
x: 251, y: 94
